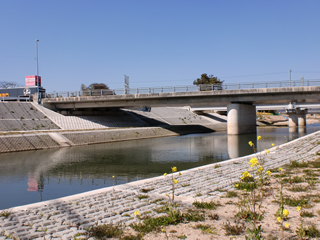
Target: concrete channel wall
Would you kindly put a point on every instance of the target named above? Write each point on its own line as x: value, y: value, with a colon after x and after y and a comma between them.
x: 45, y: 140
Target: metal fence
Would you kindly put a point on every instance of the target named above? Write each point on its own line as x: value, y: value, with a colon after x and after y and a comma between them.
x: 189, y: 88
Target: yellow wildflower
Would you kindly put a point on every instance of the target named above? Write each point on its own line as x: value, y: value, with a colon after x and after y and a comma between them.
x: 253, y: 162
x: 175, y: 181
x: 237, y: 185
x: 260, y: 169
x: 272, y: 144
x: 267, y: 151
x: 285, y: 212
x: 174, y: 169
x: 298, y: 208
x: 250, y: 143
x: 268, y: 172
x: 179, y: 173
x: 165, y: 174
x: 279, y: 219
x: 245, y: 174
x: 287, y: 225
x: 112, y: 176
x: 136, y: 213
x: 259, y: 137
x: 280, y: 169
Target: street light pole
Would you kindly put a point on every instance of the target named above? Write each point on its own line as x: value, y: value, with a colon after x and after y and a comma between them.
x: 37, y: 70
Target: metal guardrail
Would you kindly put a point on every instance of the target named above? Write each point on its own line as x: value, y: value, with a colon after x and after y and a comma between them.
x: 189, y: 88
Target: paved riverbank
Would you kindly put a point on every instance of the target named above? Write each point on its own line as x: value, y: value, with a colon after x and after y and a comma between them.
x: 65, y: 217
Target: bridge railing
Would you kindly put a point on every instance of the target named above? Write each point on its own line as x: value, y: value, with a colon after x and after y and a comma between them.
x: 188, y: 88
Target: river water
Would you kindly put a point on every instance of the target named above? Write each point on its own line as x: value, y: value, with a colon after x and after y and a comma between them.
x: 33, y: 176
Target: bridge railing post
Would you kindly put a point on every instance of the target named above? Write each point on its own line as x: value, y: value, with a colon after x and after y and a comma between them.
x: 186, y: 88
x: 266, y: 85
x: 174, y: 89
x: 238, y: 85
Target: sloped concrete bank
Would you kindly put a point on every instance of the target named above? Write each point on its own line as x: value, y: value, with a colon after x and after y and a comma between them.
x: 68, y: 217
x: 45, y: 140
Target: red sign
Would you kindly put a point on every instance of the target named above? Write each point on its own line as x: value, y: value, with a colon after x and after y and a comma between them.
x: 32, y: 80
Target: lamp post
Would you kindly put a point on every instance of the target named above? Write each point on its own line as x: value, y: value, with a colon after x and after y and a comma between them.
x: 37, y: 70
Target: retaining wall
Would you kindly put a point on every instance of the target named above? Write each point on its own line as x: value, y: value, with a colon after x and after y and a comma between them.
x: 36, y: 141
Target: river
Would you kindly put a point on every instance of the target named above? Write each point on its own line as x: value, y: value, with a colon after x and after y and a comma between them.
x: 33, y: 176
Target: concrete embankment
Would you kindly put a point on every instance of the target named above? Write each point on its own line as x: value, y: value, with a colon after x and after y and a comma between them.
x: 66, y: 217
x: 45, y: 140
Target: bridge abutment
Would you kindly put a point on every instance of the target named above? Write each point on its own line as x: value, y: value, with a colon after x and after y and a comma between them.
x: 241, y: 118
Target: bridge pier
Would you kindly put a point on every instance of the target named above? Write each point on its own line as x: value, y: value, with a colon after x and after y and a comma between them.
x: 297, y: 117
x: 241, y: 118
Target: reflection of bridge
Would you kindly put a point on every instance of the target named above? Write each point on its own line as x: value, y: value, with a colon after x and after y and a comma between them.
x: 241, y: 104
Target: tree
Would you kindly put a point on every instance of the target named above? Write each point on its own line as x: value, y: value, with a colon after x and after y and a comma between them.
x: 94, y: 86
x: 205, y: 79
x: 5, y: 84
x: 96, y: 89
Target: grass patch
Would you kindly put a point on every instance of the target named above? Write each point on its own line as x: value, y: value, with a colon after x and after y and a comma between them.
x: 235, y: 229
x: 295, y: 164
x: 206, y: 229
x: 205, y: 205
x: 143, y: 196
x: 249, y: 186
x: 182, y: 236
x: 231, y: 194
x: 306, y: 214
x: 133, y: 237
x: 248, y: 215
x: 151, y: 224
x: 105, y: 230
x: 282, y: 175
x: 157, y: 200
x: 295, y: 179
x: 311, y: 231
x: 298, y: 188
x: 5, y: 213
x: 214, y: 216
x: 185, y: 185
x: 303, y: 201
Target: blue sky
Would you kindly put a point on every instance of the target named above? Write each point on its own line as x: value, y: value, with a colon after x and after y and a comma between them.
x: 158, y: 42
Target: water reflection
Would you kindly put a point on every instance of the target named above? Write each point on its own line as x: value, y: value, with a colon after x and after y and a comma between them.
x: 47, y: 174
x: 238, y: 144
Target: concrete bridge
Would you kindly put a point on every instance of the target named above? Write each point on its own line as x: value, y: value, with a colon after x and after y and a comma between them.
x: 240, y: 103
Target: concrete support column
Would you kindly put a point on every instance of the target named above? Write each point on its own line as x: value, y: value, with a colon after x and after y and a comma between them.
x: 297, y: 118
x: 241, y: 118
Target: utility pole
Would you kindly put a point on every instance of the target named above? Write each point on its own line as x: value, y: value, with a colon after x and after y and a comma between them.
x: 289, y: 78
x: 37, y: 70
